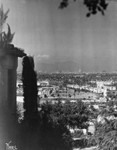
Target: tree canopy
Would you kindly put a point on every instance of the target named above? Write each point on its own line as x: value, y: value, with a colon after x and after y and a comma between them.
x: 68, y: 114
x: 93, y: 6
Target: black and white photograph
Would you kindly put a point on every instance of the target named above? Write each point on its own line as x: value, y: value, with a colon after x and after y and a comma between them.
x: 58, y: 75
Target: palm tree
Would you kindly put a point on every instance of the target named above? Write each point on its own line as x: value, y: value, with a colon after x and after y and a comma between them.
x: 65, y: 82
x: 74, y: 93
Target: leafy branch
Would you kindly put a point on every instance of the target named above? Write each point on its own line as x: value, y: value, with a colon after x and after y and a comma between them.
x: 5, y: 38
x: 93, y: 6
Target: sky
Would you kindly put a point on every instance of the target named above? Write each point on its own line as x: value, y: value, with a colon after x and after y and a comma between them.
x: 52, y: 35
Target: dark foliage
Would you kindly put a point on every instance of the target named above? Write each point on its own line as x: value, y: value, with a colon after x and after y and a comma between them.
x: 39, y: 130
x: 106, y: 135
x: 29, y: 79
x: 49, y: 129
x: 54, y: 136
x: 81, y: 143
x: 93, y: 6
x: 68, y: 114
x: 44, y: 133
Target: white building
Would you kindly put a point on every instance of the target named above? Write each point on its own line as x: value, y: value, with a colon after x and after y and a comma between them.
x: 43, y: 83
x: 105, y: 87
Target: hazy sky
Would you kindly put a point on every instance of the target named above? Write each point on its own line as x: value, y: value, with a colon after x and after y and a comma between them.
x: 54, y: 35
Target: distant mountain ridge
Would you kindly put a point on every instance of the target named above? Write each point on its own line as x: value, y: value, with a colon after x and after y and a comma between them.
x: 66, y: 66
x: 63, y: 66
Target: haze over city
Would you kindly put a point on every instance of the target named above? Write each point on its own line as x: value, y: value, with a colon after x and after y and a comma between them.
x: 64, y: 40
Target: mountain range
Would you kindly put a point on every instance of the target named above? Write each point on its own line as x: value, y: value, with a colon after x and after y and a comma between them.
x: 68, y: 65
x: 63, y: 66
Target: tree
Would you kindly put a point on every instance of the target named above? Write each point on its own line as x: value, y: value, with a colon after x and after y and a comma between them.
x: 68, y: 114
x: 93, y: 6
x: 29, y: 79
x: 106, y: 135
x: 65, y: 83
x: 5, y: 38
x: 74, y: 92
x: 55, y: 120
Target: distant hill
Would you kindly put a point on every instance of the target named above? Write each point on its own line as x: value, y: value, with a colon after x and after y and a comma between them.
x: 67, y: 66
x: 53, y: 65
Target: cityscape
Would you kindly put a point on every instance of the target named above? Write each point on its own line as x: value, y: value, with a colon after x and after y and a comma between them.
x: 58, y: 75
x: 58, y: 85
x: 97, y: 90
